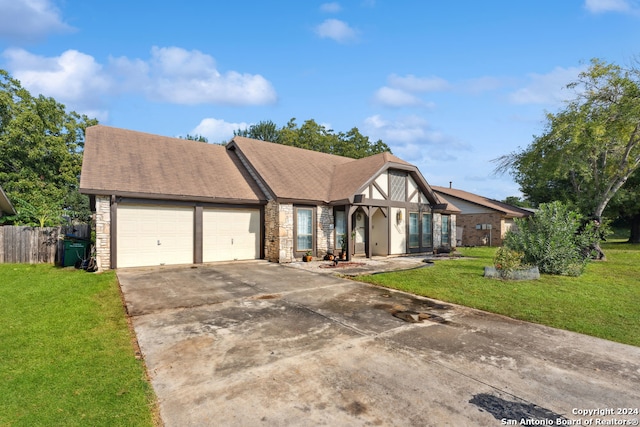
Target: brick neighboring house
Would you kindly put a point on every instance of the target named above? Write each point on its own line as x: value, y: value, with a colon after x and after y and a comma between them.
x: 160, y: 200
x: 481, y: 221
x: 6, y: 208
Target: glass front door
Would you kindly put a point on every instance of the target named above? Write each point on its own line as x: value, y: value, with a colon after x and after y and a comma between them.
x: 420, y: 232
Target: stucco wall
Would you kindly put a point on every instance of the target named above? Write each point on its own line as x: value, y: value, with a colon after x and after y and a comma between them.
x: 398, y: 243
x: 379, y: 234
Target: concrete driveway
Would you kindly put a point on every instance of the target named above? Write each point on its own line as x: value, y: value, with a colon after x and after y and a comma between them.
x: 255, y: 343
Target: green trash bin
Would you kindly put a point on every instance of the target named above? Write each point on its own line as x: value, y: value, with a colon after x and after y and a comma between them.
x: 75, y: 250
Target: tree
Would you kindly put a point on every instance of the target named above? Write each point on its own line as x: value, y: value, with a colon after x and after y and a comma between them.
x: 517, y: 201
x: 590, y: 148
x: 196, y: 137
x: 264, y: 131
x: 40, y: 156
x: 625, y: 205
x: 316, y: 137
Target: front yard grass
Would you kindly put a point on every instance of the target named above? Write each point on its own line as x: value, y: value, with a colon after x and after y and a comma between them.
x: 603, y: 302
x: 66, y: 354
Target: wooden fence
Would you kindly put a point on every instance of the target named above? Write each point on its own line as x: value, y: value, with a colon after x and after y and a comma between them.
x: 34, y: 245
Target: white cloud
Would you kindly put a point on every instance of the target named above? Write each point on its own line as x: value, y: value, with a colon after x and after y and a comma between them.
x: 172, y: 75
x: 412, y: 138
x: 412, y: 83
x: 28, y: 20
x: 603, y: 6
x: 181, y: 76
x: 482, y: 84
x: 546, y: 88
x: 332, y: 7
x: 337, y: 30
x: 73, y: 78
x: 391, y: 97
x: 400, y: 92
x: 216, y: 130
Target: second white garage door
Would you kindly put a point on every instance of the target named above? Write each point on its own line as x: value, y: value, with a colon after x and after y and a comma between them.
x: 230, y: 234
x: 154, y: 235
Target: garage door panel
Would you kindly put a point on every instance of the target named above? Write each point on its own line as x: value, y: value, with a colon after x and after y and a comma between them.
x: 154, y: 235
x: 230, y: 234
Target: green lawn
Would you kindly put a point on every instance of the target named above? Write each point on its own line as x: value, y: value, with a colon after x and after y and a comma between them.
x: 603, y: 302
x: 66, y: 354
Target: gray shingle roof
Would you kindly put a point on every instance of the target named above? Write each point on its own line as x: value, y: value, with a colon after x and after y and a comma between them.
x: 298, y: 174
x: 137, y: 164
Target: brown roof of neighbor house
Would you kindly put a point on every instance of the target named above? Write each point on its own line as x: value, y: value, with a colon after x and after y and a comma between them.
x: 5, y: 204
x: 508, y: 210
x: 298, y: 174
x: 136, y: 164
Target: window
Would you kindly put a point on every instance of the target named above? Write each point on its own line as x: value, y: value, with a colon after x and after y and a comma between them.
x: 398, y: 186
x: 445, y: 230
x: 427, y: 233
x: 414, y: 230
x: 341, y: 228
x: 304, y: 230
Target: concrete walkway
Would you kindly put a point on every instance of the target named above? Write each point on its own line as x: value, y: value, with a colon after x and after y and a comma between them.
x: 262, y: 344
x: 360, y: 265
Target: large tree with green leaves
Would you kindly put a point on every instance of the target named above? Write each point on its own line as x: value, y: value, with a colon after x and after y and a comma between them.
x: 590, y: 148
x: 625, y: 205
x: 313, y: 136
x: 40, y: 156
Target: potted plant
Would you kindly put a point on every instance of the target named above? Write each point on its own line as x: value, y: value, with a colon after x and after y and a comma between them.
x: 307, y: 256
x: 343, y: 247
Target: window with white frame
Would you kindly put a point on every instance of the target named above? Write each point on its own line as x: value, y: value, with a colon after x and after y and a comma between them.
x: 341, y: 229
x: 445, y: 230
x: 304, y: 229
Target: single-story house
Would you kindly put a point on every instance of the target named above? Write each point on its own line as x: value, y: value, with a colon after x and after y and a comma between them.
x: 481, y: 221
x: 160, y: 200
x: 6, y: 208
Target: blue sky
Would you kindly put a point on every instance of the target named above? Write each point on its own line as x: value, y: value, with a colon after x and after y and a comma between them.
x: 448, y: 85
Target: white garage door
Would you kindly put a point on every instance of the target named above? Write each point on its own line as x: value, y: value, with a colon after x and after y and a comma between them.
x: 230, y: 234
x: 154, y: 235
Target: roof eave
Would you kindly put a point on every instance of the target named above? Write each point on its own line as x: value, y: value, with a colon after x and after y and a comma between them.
x: 172, y: 197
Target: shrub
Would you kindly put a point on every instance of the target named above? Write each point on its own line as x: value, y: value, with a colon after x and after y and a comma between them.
x: 555, y: 239
x: 507, y: 259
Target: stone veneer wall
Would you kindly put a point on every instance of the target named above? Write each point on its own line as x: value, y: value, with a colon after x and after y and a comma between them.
x: 324, y: 227
x: 473, y: 237
x: 437, y: 227
x: 437, y: 230
x: 285, y: 232
x: 103, y: 232
x: 453, y: 236
x: 271, y: 231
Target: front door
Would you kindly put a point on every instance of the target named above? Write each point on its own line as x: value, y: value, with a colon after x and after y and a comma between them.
x: 420, y: 232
